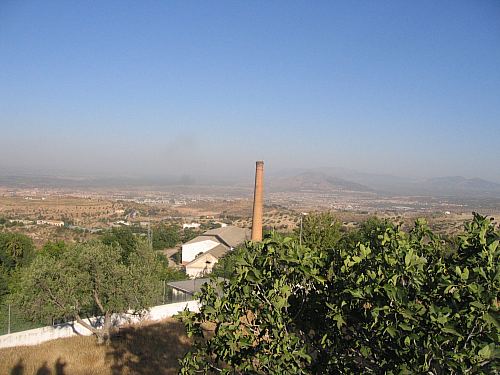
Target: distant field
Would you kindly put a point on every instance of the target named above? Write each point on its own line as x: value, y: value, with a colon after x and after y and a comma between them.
x: 281, y: 212
x: 147, y: 349
x: 55, y: 207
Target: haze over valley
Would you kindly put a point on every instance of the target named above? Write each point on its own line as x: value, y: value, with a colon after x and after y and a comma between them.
x: 249, y: 187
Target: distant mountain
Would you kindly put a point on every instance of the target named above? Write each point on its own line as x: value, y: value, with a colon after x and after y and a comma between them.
x: 322, y: 179
x: 314, y: 182
x: 461, y: 185
x: 291, y: 180
x: 382, y: 183
x: 48, y: 181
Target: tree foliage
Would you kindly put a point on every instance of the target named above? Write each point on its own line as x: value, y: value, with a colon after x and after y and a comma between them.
x: 4, y: 282
x: 54, y: 249
x: 367, y: 232
x: 398, y: 303
x: 226, y: 266
x: 167, y: 273
x: 320, y: 230
x: 124, y: 238
x: 165, y: 236
x: 189, y: 233
x: 15, y: 250
x: 91, y: 278
x: 251, y: 317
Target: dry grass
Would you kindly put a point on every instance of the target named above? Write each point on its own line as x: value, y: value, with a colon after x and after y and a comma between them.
x: 148, y: 349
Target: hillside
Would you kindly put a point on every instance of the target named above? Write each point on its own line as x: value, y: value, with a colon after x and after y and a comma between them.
x: 327, y: 179
x: 312, y: 181
x: 461, y: 184
x: 148, y: 349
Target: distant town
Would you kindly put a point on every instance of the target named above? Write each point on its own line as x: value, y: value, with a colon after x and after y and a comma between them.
x: 79, y: 213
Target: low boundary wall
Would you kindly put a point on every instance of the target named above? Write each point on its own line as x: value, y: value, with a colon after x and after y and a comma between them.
x: 39, y: 335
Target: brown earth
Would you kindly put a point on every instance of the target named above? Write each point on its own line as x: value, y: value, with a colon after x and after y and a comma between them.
x: 147, y: 349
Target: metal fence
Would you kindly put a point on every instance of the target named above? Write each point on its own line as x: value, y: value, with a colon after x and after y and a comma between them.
x: 12, y: 320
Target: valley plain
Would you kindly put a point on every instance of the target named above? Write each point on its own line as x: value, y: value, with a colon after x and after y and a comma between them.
x: 35, y: 206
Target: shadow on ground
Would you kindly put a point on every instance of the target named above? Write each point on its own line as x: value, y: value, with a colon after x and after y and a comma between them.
x: 59, y: 365
x: 150, y: 350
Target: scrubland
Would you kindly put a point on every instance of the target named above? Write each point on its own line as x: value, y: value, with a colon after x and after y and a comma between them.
x: 146, y: 349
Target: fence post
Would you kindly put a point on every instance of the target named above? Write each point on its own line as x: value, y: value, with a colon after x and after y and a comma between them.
x: 163, y: 291
x: 8, y: 327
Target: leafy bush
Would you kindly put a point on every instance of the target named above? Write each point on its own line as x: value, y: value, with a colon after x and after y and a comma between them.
x: 91, y: 278
x: 320, y: 230
x: 167, y: 273
x: 124, y: 238
x: 54, y: 249
x: 226, y: 266
x: 15, y: 250
x: 165, y: 236
x: 397, y: 303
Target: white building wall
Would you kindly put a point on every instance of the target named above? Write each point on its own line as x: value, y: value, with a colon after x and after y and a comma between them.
x: 199, y: 271
x: 199, y: 267
x: 39, y: 335
x: 191, y: 225
x: 190, y: 251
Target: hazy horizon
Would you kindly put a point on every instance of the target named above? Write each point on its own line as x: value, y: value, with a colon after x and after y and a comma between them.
x: 198, y: 89
x: 243, y: 175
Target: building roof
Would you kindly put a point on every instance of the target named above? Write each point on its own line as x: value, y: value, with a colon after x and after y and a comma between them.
x: 217, y: 252
x: 230, y: 235
x: 204, y: 262
x: 189, y: 286
x: 201, y: 239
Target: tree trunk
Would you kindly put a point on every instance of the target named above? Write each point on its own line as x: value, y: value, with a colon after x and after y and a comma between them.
x: 106, y: 328
x: 100, y: 338
x: 103, y: 335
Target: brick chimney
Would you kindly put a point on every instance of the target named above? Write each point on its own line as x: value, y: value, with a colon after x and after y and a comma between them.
x: 257, y: 202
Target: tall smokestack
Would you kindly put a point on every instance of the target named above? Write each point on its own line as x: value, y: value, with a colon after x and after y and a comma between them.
x: 257, y: 202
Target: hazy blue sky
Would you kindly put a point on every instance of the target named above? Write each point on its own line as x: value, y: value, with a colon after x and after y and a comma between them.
x: 163, y: 87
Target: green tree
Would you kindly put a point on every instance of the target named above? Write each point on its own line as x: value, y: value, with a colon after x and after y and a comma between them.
x: 408, y: 307
x: 90, y: 277
x: 123, y: 237
x: 4, y: 282
x: 165, y: 236
x: 399, y: 303
x: 15, y: 250
x: 209, y: 225
x: 252, y: 319
x: 54, y: 249
x: 367, y: 232
x: 320, y: 230
x: 189, y: 233
x: 226, y: 266
x: 167, y: 273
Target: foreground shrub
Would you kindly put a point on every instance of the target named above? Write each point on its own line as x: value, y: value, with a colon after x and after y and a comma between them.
x: 398, y: 303
x: 90, y: 279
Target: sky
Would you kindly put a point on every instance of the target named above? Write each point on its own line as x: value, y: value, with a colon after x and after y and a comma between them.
x: 154, y: 88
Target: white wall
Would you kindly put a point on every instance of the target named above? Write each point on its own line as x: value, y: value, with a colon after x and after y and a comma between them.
x: 198, y: 271
x: 191, y: 250
x: 39, y: 335
x: 199, y: 267
x: 192, y: 225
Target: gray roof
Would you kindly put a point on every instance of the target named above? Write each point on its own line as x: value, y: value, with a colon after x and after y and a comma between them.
x: 231, y: 236
x: 218, y: 251
x: 189, y: 286
x: 201, y: 238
